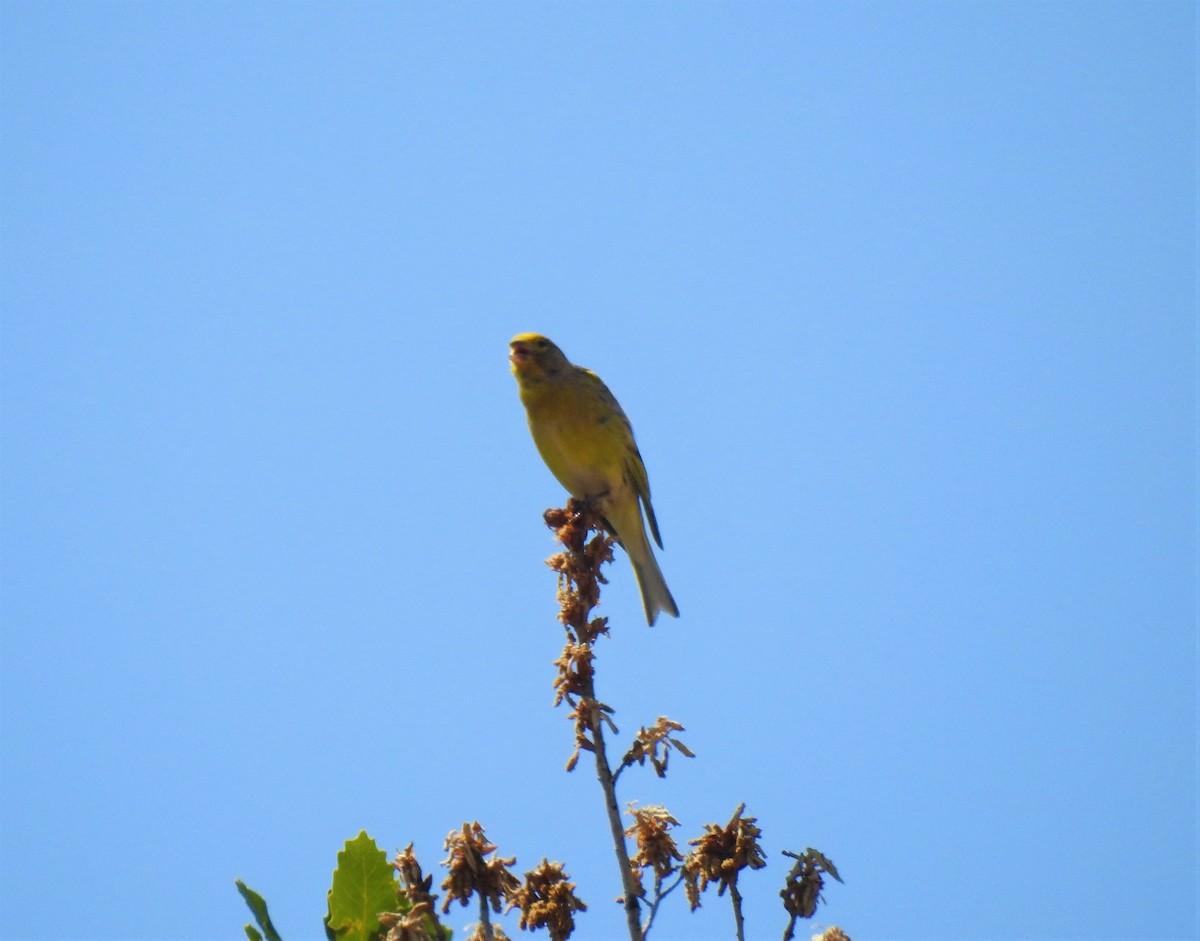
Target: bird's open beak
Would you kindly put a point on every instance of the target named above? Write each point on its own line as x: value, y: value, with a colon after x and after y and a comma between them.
x: 519, y: 354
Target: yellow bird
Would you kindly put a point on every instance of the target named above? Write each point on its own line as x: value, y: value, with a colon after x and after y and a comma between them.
x: 587, y: 442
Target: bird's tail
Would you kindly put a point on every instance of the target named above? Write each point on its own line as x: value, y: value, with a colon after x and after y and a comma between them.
x: 656, y: 596
x: 624, y: 517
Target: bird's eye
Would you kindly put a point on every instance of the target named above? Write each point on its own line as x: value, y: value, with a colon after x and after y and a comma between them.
x: 541, y: 344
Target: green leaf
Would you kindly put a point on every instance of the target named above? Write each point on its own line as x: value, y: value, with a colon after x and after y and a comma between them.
x: 364, y: 885
x: 258, y: 908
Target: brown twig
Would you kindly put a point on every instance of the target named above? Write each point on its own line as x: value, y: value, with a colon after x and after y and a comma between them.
x: 736, y: 898
x: 579, y: 580
x: 630, y: 900
x: 657, y: 851
x: 659, y: 894
x: 485, y: 920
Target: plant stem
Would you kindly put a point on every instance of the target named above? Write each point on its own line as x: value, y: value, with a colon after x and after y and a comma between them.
x: 659, y: 895
x: 604, y: 773
x: 736, y: 897
x: 581, y: 571
x: 485, y: 919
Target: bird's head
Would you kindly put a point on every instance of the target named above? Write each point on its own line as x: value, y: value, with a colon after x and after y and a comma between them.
x: 534, y: 357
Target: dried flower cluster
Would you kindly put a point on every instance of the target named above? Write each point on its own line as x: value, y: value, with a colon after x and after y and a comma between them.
x: 414, y: 885
x: 655, y: 743
x: 579, y: 580
x: 578, y: 568
x: 575, y: 673
x: 472, y: 873
x: 548, y: 900
x: 721, y: 854
x: 575, y: 684
x: 802, y: 890
x: 410, y: 926
x: 651, y: 831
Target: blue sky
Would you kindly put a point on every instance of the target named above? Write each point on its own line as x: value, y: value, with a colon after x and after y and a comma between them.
x: 901, y: 299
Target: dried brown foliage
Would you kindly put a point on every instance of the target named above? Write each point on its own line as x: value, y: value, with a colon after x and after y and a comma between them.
x: 410, y: 926
x: 420, y: 923
x: 413, y: 883
x: 548, y: 900
x: 651, y: 831
x: 655, y: 743
x: 579, y: 580
x: 721, y: 854
x: 802, y: 890
x: 578, y: 568
x: 472, y: 873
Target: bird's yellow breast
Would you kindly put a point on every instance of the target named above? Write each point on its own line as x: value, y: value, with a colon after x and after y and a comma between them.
x: 581, y: 439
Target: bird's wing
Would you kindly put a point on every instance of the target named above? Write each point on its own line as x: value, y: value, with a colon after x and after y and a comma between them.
x: 633, y: 467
